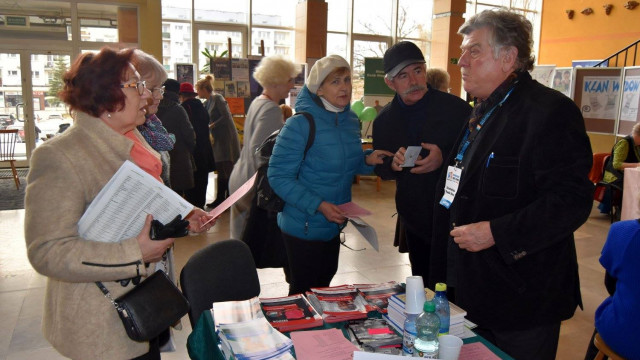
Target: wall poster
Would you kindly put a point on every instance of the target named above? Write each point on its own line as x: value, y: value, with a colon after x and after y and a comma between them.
x: 563, y: 80
x: 597, y: 92
x: 185, y: 73
x: 630, y: 99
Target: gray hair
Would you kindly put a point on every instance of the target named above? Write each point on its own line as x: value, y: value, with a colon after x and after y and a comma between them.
x: 149, y: 68
x: 507, y: 29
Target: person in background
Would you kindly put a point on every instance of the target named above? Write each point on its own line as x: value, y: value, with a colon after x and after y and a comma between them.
x: 275, y: 74
x: 154, y: 75
x: 203, y: 153
x: 226, y: 146
x: 107, y: 98
x: 416, y: 116
x: 625, y: 154
x: 175, y: 119
x: 617, y: 317
x: 313, y: 186
x: 438, y: 79
x: 514, y: 190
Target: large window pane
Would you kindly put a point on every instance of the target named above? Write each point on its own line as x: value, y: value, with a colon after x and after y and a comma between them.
x: 372, y: 17
x: 39, y: 20
x: 176, y: 9
x: 414, y: 19
x: 99, y: 23
x: 217, y: 42
x: 337, y: 15
x: 337, y: 44
x: 176, y: 45
x: 267, y: 13
x: 275, y: 42
x: 234, y: 12
x: 361, y: 50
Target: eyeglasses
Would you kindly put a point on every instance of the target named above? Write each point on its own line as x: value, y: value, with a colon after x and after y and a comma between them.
x: 157, y: 91
x: 140, y: 85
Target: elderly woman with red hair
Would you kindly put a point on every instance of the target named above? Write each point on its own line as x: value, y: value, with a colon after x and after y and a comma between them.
x: 107, y: 99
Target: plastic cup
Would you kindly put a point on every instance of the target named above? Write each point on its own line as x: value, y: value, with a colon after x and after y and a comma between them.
x: 450, y: 346
x: 415, y: 295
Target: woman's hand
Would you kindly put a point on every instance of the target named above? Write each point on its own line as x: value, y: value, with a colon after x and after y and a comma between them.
x: 199, y: 220
x: 332, y: 212
x: 377, y: 156
x: 152, y: 250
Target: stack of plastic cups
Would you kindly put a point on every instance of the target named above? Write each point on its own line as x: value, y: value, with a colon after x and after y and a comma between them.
x: 415, y: 299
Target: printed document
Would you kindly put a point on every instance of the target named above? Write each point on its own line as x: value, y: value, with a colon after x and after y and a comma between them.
x: 119, y: 210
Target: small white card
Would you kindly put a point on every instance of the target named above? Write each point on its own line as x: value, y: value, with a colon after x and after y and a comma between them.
x: 411, y: 155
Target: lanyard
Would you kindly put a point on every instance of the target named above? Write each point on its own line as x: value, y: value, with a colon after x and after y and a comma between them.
x: 467, y: 140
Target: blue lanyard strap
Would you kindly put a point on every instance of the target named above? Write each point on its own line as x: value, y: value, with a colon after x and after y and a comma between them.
x: 466, y: 140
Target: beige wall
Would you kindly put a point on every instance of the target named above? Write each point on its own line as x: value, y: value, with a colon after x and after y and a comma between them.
x: 150, y: 15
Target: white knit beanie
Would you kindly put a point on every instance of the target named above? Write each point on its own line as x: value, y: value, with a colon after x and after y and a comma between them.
x: 322, y: 68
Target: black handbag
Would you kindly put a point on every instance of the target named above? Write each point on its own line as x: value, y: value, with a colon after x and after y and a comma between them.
x: 149, y: 308
x: 267, y: 199
x: 264, y: 238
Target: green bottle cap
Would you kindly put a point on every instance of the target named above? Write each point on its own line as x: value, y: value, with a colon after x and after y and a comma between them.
x: 429, y: 306
x: 441, y: 287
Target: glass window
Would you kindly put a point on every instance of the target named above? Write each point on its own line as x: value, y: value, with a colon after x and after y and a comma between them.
x: 266, y: 14
x: 216, y: 42
x: 525, y: 4
x: 495, y: 3
x: 176, y: 45
x: 337, y: 44
x: 372, y: 17
x: 414, y: 19
x: 361, y: 50
x: 337, y: 15
x: 99, y: 23
x: 276, y: 41
x: 40, y: 20
x: 234, y: 12
x: 176, y: 10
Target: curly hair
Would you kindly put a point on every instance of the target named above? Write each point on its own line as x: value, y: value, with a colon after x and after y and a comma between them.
x: 206, y: 83
x: 275, y: 70
x: 92, y: 84
x: 507, y: 29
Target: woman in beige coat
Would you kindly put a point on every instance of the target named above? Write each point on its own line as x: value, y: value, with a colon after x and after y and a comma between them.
x: 108, y: 100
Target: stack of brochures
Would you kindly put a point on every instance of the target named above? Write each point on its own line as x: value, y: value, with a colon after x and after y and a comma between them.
x: 290, y: 313
x: 396, y: 316
x: 377, y: 295
x: 375, y: 335
x: 338, y: 303
x: 245, y: 333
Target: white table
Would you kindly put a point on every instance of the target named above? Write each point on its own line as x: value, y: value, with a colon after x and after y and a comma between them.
x: 631, y: 194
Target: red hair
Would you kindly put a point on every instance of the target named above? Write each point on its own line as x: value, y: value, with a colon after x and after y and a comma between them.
x: 92, y: 84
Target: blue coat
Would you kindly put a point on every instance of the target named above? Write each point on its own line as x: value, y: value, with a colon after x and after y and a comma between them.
x: 327, y: 172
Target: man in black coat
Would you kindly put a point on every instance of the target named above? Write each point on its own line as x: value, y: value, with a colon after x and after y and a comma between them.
x: 419, y: 116
x: 203, y: 153
x: 515, y: 189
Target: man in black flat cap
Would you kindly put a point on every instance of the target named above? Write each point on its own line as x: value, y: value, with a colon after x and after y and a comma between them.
x: 420, y: 116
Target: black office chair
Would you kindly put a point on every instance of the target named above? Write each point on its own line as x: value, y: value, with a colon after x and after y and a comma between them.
x: 222, y: 271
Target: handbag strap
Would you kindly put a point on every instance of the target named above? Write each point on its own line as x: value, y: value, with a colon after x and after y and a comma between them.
x: 107, y: 294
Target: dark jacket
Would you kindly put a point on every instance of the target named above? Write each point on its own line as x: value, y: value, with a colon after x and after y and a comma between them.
x: 437, y: 119
x: 527, y: 174
x: 175, y: 120
x: 199, y: 118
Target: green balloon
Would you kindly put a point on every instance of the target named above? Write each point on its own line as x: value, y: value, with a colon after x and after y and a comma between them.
x: 368, y: 114
x: 357, y: 107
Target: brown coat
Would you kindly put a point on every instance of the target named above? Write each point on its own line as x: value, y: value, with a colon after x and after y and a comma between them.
x: 66, y: 173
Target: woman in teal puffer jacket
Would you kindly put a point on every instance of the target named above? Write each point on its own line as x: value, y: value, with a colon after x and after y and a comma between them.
x: 314, y: 185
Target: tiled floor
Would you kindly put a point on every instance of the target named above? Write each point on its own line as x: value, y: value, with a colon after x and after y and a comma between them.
x: 21, y: 289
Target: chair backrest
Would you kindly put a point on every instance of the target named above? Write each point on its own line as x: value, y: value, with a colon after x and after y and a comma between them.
x: 8, y: 139
x: 597, y: 169
x: 222, y: 271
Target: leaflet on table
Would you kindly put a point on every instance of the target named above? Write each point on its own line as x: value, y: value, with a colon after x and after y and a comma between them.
x: 229, y: 312
x: 340, y: 300
x: 290, y: 313
x: 254, y: 339
x: 372, y: 333
x: 119, y: 210
x: 377, y: 295
x: 329, y: 344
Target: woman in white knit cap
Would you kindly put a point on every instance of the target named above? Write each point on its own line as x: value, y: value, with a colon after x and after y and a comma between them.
x: 313, y: 186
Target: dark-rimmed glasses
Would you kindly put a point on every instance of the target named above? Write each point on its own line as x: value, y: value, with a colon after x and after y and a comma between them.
x: 140, y: 85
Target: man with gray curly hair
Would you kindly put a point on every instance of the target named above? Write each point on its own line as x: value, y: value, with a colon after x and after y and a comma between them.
x: 515, y: 189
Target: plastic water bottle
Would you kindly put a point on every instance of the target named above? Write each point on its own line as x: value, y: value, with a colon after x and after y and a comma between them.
x: 409, y: 334
x: 442, y: 307
x: 427, y: 325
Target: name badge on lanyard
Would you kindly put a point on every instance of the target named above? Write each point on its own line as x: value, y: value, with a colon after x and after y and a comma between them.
x: 451, y: 186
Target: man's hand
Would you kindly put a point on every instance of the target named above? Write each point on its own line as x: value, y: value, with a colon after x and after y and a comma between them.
x: 398, y: 159
x: 431, y: 162
x: 473, y: 237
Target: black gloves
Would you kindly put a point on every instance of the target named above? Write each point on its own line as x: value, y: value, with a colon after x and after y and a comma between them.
x: 174, y: 229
